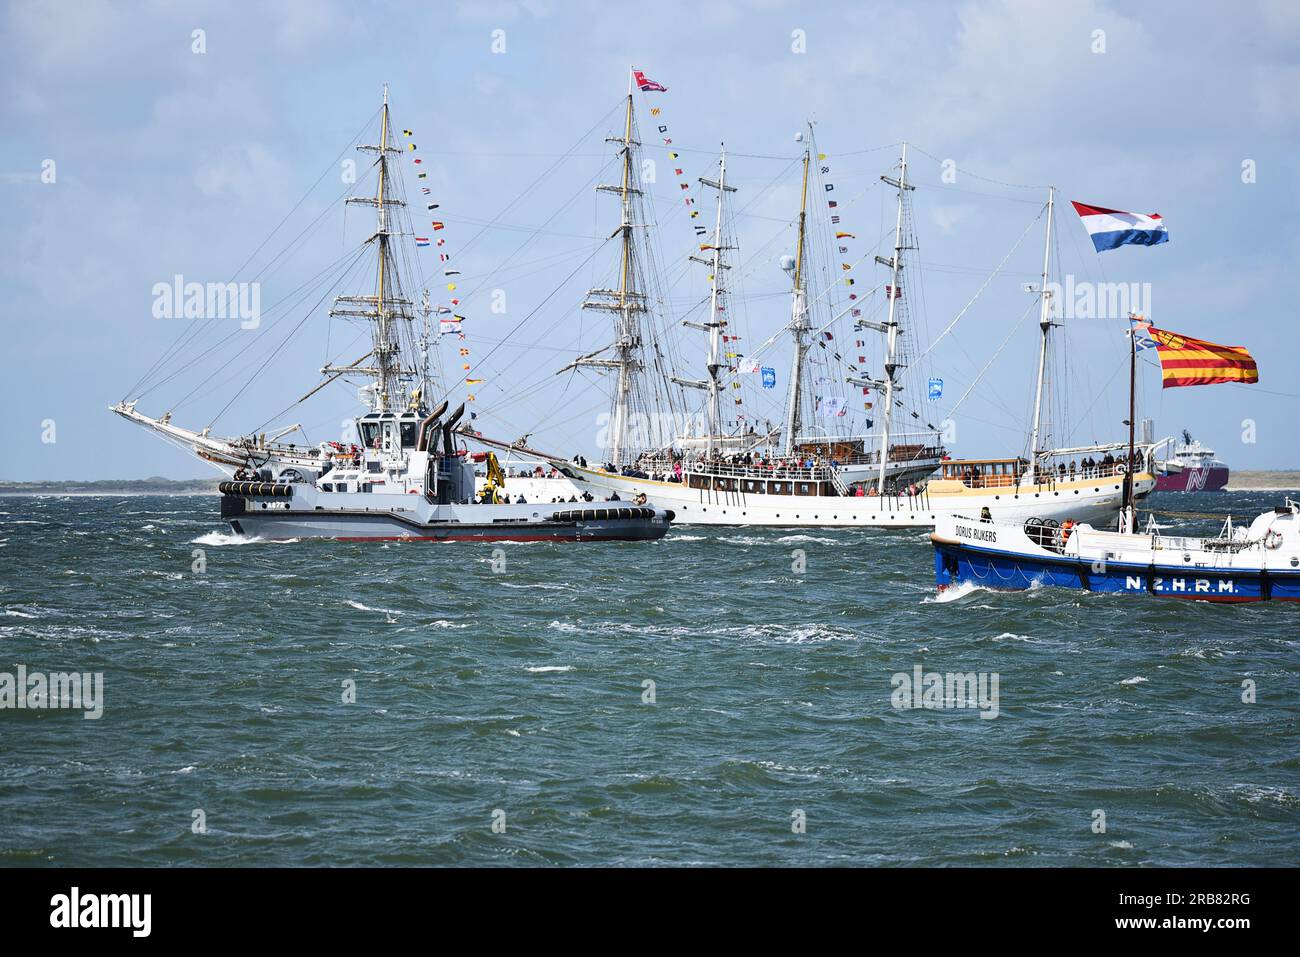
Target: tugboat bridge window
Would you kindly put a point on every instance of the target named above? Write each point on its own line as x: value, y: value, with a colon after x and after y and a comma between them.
x: 369, y: 428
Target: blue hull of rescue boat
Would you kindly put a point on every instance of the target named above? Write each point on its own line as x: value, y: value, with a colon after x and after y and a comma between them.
x: 993, y: 568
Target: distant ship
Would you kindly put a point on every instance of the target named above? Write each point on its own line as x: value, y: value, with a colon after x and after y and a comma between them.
x: 1192, y: 468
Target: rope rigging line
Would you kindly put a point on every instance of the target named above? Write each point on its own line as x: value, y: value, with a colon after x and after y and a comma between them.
x: 1019, y: 323
x: 276, y: 351
x: 194, y: 394
x: 173, y: 348
x: 306, y: 286
x: 985, y: 285
x: 526, y: 192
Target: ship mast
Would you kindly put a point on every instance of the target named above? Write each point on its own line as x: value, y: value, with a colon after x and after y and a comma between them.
x: 799, y: 321
x: 895, y: 264
x: 1128, y: 514
x: 714, y: 325
x: 387, y: 304
x: 625, y: 301
x: 1044, y: 326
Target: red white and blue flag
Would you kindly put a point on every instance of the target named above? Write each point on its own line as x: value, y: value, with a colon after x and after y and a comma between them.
x: 1110, y: 228
x: 647, y: 85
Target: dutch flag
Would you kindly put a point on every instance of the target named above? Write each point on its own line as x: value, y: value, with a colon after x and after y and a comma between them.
x: 1110, y: 228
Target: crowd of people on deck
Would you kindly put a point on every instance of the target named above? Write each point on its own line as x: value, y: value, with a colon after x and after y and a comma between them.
x: 1108, y: 464
x: 669, y: 466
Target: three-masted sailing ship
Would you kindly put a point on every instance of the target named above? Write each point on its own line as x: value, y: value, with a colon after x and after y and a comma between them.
x: 786, y: 475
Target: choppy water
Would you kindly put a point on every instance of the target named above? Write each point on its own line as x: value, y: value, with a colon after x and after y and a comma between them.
x: 521, y: 690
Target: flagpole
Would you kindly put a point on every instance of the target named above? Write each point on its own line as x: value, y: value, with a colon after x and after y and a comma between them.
x: 1128, y: 513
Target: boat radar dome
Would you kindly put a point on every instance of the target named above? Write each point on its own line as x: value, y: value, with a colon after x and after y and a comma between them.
x: 798, y: 137
x: 787, y: 263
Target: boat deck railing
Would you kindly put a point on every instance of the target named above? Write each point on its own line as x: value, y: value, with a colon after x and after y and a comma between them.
x: 1046, y: 476
x: 897, y: 453
x: 657, y: 468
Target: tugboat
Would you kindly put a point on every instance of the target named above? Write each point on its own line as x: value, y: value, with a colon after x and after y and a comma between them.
x: 396, y: 482
x: 394, y: 492
x: 1242, y: 564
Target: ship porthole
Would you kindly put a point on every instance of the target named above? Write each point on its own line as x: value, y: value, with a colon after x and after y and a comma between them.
x: 1294, y: 561
x: 1186, y: 557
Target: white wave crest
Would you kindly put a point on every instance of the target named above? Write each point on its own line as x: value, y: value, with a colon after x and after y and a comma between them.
x: 952, y: 593
x: 360, y: 607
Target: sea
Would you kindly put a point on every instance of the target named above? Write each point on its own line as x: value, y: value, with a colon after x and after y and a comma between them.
x: 730, y: 697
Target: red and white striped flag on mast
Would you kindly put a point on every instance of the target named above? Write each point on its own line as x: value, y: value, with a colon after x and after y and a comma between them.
x: 647, y: 85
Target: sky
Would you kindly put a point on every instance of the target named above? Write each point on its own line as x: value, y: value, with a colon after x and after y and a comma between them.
x: 135, y: 149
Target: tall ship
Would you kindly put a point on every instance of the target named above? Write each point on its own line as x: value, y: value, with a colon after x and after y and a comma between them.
x: 806, y: 469
x: 402, y: 477
x: 1190, y: 468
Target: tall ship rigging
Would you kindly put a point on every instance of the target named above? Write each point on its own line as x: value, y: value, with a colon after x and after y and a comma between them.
x: 784, y: 474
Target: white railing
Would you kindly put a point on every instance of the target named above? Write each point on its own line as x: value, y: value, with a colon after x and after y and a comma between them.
x: 656, y: 468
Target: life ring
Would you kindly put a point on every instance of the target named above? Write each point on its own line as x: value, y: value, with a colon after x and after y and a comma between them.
x: 1272, y: 538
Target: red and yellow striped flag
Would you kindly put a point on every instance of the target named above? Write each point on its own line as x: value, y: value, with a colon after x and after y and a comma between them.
x: 1188, y: 361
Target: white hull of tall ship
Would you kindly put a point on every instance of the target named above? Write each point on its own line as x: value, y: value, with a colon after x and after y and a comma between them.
x: 1086, y: 498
